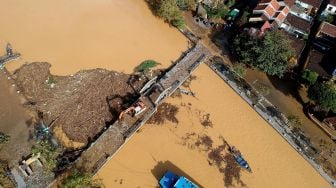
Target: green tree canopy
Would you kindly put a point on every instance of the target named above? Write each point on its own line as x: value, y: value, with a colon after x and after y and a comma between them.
x: 310, y: 77
x: 48, y: 153
x: 324, y: 95
x: 187, y: 4
x: 169, y: 11
x: 239, y: 69
x: 217, y: 12
x: 270, y: 54
x: 80, y: 180
x: 146, y: 65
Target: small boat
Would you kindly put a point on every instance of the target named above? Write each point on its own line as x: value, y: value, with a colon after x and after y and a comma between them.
x: 171, y: 180
x: 239, y: 158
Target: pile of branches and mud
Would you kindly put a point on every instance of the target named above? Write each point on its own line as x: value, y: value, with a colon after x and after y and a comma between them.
x: 81, y: 104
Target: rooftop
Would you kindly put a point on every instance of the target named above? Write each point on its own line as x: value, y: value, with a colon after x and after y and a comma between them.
x: 314, y: 62
x: 296, y: 43
x: 328, y: 29
x: 289, y: 2
x: 314, y: 3
x: 270, y: 10
x: 298, y: 23
x: 321, y: 63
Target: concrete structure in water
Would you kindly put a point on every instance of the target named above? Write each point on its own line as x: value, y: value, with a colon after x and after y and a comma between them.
x: 152, y: 95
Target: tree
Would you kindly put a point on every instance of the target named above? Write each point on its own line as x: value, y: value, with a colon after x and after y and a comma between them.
x: 239, y: 69
x: 244, y: 18
x: 169, y: 11
x: 48, y: 154
x: 269, y: 54
x: 324, y: 95
x: 230, y: 3
x: 4, y: 138
x: 330, y: 18
x: 79, y: 180
x: 294, y: 120
x: 217, y: 12
x: 146, y: 65
x: 187, y: 4
x: 310, y: 77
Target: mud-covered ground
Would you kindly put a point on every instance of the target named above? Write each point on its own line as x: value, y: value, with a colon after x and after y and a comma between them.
x: 77, y: 106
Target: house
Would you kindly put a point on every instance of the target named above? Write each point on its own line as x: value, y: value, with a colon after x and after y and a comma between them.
x: 266, y: 15
x: 325, y: 38
x: 306, y: 9
x: 314, y: 61
x: 296, y: 25
x: 321, y: 57
x: 270, y: 11
x: 327, y: 30
x: 259, y: 29
x: 311, y: 6
x: 331, y: 8
x: 297, y: 45
x: 289, y: 3
x: 321, y: 63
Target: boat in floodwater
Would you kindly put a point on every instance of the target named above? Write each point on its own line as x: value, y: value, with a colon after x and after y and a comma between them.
x: 171, y: 180
x: 239, y: 158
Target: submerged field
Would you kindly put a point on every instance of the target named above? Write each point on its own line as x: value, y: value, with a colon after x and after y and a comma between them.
x: 118, y: 35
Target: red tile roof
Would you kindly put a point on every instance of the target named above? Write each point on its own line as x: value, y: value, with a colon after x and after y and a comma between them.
x: 265, y: 27
x: 298, y: 23
x: 328, y: 29
x: 275, y: 4
x: 270, y: 10
x: 280, y: 17
x: 285, y: 10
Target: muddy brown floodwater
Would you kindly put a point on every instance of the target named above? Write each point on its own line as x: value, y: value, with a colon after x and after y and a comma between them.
x: 118, y: 35
x: 85, y: 34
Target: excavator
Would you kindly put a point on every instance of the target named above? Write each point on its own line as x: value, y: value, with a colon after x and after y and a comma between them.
x: 136, y: 109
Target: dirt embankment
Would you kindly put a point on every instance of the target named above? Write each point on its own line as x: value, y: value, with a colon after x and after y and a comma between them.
x: 81, y: 104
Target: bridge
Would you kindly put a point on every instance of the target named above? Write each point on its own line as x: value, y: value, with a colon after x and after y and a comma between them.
x: 152, y: 95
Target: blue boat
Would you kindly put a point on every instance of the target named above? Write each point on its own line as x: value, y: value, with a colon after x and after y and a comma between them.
x: 171, y: 180
x: 240, y: 160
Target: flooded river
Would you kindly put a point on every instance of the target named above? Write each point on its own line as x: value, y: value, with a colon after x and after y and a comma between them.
x: 118, y: 35
x: 85, y: 34
x: 157, y: 148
